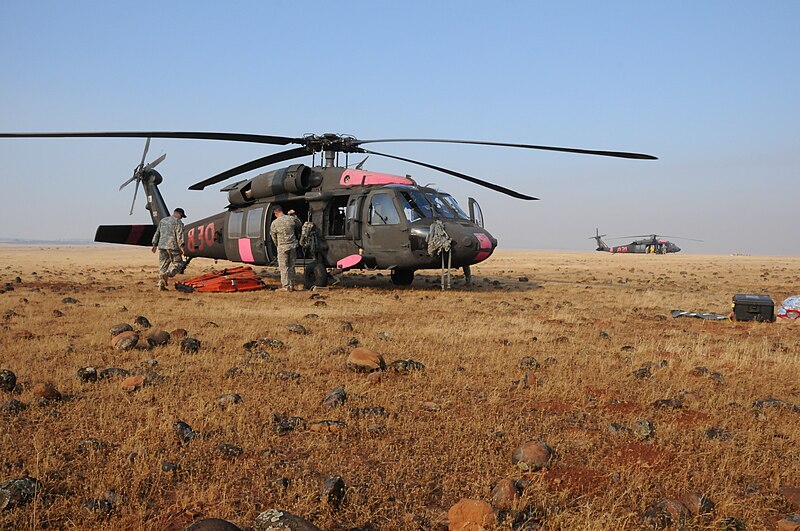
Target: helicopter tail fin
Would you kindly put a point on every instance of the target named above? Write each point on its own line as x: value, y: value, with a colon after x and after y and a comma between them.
x: 601, y: 245
x: 126, y: 234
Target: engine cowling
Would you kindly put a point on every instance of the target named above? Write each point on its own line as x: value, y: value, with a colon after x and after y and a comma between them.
x: 295, y: 179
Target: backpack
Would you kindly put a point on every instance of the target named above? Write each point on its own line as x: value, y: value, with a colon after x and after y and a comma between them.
x: 228, y: 280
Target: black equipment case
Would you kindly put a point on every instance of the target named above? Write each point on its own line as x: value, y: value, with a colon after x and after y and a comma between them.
x: 748, y: 307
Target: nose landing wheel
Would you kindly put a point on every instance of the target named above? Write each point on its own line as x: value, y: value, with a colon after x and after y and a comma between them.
x: 402, y: 277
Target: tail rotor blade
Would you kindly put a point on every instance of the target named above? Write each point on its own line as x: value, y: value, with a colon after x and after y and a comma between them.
x: 144, y: 153
x: 156, y: 162
x: 135, y: 190
x: 126, y: 183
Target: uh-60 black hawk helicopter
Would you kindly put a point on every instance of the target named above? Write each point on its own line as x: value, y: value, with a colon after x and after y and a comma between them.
x: 361, y: 218
x: 650, y: 244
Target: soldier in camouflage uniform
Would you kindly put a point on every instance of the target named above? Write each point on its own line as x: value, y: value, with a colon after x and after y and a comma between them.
x: 170, y: 243
x: 283, y: 232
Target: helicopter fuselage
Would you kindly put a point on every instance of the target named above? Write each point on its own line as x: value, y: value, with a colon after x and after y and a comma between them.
x: 385, y: 219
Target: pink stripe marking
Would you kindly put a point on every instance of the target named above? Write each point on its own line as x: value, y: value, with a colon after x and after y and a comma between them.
x: 360, y: 177
x: 483, y: 241
x: 481, y: 256
x: 245, y: 253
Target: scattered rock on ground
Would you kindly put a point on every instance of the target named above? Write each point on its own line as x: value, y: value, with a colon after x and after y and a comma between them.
x: 87, y: 374
x: 125, y: 340
x: 333, y: 491
x: 643, y: 429
x: 184, y: 432
x: 668, y: 403
x: 406, y: 366
x: 277, y: 520
x: 505, y: 495
x: 157, y: 338
x: 8, y: 380
x: 141, y: 321
x: 697, y: 503
x: 471, y: 515
x: 327, y: 426
x: 178, y: 333
x: 791, y: 495
x: 212, y: 524
x: 190, y: 345
x: 430, y: 406
x: 12, y: 407
x: 228, y: 400
x: 17, y: 492
x: 665, y: 513
x: 790, y: 523
x: 335, y: 398
x: 720, y: 434
x: 132, y: 383
x: 113, y: 372
x: 229, y: 451
x: 363, y: 359
x: 47, y: 391
x: 532, y: 456
x: 298, y: 329
x: 528, y: 362
x: 118, y: 329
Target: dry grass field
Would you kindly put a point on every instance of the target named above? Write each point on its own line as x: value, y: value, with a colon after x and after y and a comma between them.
x: 606, y: 349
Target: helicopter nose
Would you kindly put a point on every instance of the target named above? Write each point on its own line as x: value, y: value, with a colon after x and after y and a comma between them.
x: 474, y: 246
x: 676, y: 249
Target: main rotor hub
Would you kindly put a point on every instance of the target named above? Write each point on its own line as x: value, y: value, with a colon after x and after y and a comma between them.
x: 331, y: 142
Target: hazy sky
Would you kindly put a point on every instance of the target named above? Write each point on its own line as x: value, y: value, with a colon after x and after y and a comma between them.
x: 709, y: 87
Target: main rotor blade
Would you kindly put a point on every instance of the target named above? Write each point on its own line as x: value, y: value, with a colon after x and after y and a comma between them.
x: 252, y: 165
x: 621, y: 154
x: 155, y: 163
x: 144, y: 153
x: 196, y: 135
x: 480, y: 182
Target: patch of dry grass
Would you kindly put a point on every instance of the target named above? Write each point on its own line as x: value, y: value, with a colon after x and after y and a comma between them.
x: 404, y: 471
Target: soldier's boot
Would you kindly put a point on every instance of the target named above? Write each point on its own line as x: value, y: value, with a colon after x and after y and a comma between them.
x: 162, y: 282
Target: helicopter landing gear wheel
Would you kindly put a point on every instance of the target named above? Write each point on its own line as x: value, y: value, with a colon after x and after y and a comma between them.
x: 315, y: 274
x: 402, y: 277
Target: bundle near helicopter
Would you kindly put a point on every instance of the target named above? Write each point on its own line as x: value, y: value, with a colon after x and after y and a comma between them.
x: 382, y: 219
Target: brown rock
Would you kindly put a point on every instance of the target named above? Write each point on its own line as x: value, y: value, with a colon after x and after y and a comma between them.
x: 532, y: 456
x: 792, y: 495
x: 125, y: 340
x: 697, y: 503
x: 790, y: 523
x: 156, y: 338
x: 132, y: 383
x: 665, y: 513
x: 363, y: 359
x: 212, y: 524
x: 471, y: 515
x: 505, y: 495
x: 179, y: 333
x: 47, y: 391
x: 327, y: 426
x: 374, y: 378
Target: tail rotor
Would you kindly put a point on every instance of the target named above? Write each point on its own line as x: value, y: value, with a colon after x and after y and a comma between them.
x: 141, y: 172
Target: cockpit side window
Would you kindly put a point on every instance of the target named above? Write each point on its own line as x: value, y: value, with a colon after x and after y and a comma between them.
x: 382, y: 210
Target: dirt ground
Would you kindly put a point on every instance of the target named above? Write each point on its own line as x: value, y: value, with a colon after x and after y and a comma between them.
x: 577, y: 350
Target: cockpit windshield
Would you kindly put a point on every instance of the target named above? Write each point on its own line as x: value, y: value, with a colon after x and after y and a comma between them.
x: 451, y: 201
x: 415, y: 205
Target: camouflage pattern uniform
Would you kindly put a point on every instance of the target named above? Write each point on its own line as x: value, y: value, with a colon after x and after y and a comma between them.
x: 170, y: 240
x: 283, y: 232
